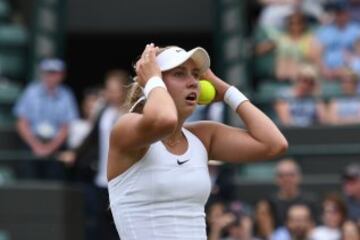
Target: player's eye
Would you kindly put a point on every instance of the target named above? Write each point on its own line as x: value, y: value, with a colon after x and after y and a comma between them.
x: 179, y: 74
x: 196, y: 75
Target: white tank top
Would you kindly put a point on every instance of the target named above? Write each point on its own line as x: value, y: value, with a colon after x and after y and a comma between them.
x: 162, y: 196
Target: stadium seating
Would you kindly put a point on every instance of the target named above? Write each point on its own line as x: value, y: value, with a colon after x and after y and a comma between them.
x: 4, y: 10
x: 41, y: 211
x: 13, y: 42
x: 9, y: 91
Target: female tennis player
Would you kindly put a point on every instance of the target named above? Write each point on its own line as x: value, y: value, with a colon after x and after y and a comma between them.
x: 157, y: 165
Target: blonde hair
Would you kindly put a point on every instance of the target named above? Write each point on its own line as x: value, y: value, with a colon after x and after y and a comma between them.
x: 135, y: 93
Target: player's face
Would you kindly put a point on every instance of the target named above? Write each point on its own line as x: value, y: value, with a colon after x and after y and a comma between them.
x: 183, y: 85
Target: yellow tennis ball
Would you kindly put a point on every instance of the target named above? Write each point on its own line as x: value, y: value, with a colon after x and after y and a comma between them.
x: 207, y: 92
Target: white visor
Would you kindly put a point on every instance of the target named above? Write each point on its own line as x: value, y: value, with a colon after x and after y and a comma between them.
x: 175, y: 56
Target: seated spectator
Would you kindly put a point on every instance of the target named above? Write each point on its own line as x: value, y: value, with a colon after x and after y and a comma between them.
x: 353, y: 58
x: 288, y: 179
x: 333, y: 216
x: 45, y: 110
x: 351, y: 188
x: 295, y: 47
x: 240, y: 229
x: 354, y: 10
x: 274, y: 12
x: 299, y: 224
x: 346, y: 109
x: 264, y: 220
x: 217, y: 219
x: 336, y: 39
x: 299, y: 106
x: 350, y: 231
x: 229, y: 223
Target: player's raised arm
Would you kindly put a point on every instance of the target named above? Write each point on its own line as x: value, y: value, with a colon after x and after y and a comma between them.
x: 261, y: 139
x: 158, y: 117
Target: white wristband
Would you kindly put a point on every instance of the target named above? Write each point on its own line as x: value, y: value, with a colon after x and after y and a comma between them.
x: 233, y: 97
x: 153, y: 82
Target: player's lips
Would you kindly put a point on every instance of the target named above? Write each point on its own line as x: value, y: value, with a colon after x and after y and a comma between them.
x: 191, y: 98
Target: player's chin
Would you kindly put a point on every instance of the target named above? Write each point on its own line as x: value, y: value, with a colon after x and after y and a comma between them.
x: 191, y: 103
x: 188, y: 108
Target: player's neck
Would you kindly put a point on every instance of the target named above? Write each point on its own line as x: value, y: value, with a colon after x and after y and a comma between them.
x: 175, y: 137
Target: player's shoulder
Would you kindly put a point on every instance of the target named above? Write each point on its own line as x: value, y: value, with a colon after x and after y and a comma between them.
x: 197, y: 126
x: 122, y: 127
x: 203, y: 130
x: 125, y: 120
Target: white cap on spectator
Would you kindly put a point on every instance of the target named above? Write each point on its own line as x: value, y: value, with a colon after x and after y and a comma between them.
x: 52, y: 65
x: 175, y: 56
x: 352, y: 171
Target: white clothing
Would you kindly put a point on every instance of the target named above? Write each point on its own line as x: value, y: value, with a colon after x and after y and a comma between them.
x: 107, y: 121
x: 162, y: 196
x: 274, y: 15
x: 323, y: 232
x: 78, y: 130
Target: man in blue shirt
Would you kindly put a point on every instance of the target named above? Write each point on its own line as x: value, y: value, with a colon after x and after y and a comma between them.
x: 336, y: 40
x: 45, y: 110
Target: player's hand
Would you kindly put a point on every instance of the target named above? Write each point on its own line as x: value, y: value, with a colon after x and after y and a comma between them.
x: 220, y: 85
x: 146, y: 67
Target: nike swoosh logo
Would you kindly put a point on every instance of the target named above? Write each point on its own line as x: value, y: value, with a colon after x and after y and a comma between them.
x: 182, y: 162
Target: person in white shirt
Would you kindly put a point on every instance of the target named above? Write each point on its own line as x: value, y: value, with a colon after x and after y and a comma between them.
x: 334, y: 216
x: 157, y: 165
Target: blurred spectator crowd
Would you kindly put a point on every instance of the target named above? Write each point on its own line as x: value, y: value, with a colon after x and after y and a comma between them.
x: 310, y: 52
x: 289, y: 213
